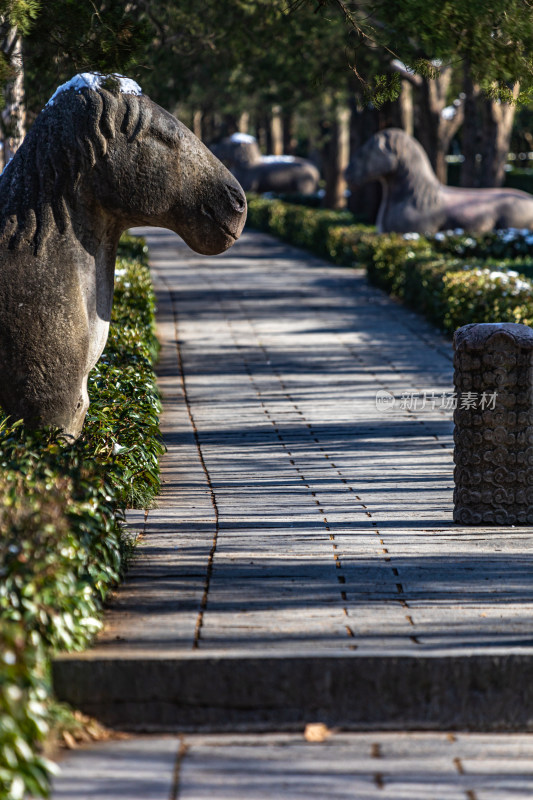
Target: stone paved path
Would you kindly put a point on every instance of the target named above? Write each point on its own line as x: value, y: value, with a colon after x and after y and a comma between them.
x: 302, y: 563
x: 375, y: 766
x: 331, y: 517
x: 294, y: 510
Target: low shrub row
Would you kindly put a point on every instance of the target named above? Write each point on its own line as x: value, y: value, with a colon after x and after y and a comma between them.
x: 319, y: 230
x: 451, y: 277
x: 450, y: 290
x: 507, y: 245
x: 63, y: 544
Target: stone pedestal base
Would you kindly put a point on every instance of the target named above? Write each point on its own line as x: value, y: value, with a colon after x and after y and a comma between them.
x: 494, y: 424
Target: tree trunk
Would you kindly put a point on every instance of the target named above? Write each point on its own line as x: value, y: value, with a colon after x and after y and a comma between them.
x: 209, y: 130
x: 276, y: 128
x: 436, y: 129
x: 335, y: 155
x: 470, y: 144
x: 197, y: 123
x: 230, y: 124
x: 13, y: 116
x: 497, y: 127
x: 406, y: 108
x: 259, y: 126
x: 436, y: 123
x: 288, y: 138
x: 364, y: 201
x: 244, y: 122
x: 265, y: 135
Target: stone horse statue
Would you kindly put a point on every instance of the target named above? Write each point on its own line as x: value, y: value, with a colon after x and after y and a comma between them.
x: 101, y: 157
x: 257, y: 173
x: 413, y: 198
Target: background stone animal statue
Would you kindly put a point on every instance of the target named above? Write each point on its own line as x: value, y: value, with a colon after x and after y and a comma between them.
x: 258, y: 173
x: 414, y: 199
x: 100, y: 158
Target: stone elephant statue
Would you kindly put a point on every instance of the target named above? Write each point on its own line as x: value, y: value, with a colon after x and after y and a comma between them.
x: 257, y: 173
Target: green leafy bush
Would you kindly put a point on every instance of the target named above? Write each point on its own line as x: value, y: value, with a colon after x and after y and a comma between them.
x: 258, y: 212
x: 387, y: 256
x: 449, y: 290
x: 310, y: 200
x: 63, y: 544
x: 485, y: 295
x: 502, y: 244
x: 60, y: 553
x: 349, y: 245
x: 315, y: 229
x: 123, y: 419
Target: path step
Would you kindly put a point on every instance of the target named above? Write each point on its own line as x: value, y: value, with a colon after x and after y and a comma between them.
x: 453, y: 691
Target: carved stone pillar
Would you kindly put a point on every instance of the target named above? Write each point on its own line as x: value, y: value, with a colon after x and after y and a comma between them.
x: 493, y: 424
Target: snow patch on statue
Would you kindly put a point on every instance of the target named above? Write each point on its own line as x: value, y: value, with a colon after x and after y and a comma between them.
x: 93, y: 80
x: 278, y: 159
x: 247, y: 138
x: 242, y: 138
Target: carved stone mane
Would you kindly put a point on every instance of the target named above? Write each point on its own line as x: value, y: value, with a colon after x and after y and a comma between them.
x: 46, y: 171
x: 414, y: 176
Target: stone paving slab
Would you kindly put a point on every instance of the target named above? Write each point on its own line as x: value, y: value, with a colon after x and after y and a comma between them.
x: 381, y: 765
x: 298, y: 518
x: 129, y: 770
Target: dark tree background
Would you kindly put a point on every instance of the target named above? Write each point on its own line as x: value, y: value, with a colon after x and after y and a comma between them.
x: 312, y: 77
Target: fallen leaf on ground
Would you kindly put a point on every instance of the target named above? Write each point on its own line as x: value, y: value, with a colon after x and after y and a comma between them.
x: 316, y: 732
x: 69, y: 740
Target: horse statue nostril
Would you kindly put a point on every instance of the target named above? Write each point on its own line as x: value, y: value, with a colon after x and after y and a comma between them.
x: 237, y: 197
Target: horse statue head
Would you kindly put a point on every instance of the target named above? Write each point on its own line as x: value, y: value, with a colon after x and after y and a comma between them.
x: 101, y: 157
x: 379, y: 156
x: 410, y: 188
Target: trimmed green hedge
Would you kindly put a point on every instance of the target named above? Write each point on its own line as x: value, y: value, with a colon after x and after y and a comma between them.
x: 451, y: 277
x: 495, y: 247
x: 63, y: 544
x: 320, y: 230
